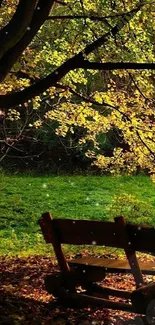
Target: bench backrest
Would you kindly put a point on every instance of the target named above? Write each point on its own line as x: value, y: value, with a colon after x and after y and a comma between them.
x: 99, y: 233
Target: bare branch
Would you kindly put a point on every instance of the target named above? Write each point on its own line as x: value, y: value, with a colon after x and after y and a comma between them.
x: 5, y: 154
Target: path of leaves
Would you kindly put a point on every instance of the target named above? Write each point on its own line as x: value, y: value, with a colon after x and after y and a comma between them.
x: 24, y: 301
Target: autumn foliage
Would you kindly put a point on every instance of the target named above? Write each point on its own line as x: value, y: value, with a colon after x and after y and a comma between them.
x: 85, y: 70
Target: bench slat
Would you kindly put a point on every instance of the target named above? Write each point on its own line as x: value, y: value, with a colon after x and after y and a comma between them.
x: 112, y: 265
x: 87, y: 232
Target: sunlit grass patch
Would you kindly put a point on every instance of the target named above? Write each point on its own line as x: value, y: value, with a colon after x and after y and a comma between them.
x: 23, y: 199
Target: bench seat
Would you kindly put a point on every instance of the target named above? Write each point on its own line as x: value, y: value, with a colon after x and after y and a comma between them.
x: 110, y: 265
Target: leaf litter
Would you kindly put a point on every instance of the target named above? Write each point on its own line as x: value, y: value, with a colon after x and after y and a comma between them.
x: 24, y: 300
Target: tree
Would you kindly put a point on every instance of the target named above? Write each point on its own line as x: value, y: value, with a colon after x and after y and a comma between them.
x: 66, y: 63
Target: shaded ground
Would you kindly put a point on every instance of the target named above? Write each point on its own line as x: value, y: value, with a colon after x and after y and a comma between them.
x: 23, y: 299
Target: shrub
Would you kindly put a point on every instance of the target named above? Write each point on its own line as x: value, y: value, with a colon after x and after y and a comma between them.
x: 134, y: 210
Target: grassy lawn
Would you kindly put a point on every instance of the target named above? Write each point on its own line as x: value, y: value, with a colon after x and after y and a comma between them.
x: 23, y: 199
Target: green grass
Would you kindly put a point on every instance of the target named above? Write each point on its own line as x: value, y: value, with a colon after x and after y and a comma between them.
x: 23, y: 199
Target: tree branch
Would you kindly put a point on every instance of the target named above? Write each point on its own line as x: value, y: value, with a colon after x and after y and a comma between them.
x: 146, y: 146
x: 117, y: 65
x: 1, y: 1
x: 92, y: 101
x: 40, y: 14
x: 137, y: 87
x: 15, y: 98
x: 113, y: 32
x: 117, y: 108
x: 78, y: 61
x: 91, y: 17
x: 14, y: 30
x: 85, y: 98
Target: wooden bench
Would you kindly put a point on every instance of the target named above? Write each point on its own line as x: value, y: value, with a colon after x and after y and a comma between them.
x: 76, y: 283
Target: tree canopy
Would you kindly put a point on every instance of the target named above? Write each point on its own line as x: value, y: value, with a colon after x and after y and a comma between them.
x: 85, y: 70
